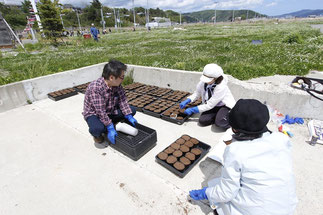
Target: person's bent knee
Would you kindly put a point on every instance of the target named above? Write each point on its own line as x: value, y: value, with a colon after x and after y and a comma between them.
x: 224, y: 125
x: 204, y: 122
x: 97, y: 131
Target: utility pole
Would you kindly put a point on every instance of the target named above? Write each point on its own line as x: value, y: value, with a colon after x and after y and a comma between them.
x: 60, y: 15
x: 147, y: 15
x: 180, y: 18
x: 118, y: 18
x: 102, y: 17
x: 215, y: 12
x: 33, y: 4
x: 78, y: 20
x: 247, y: 14
x: 232, y: 15
x: 134, y: 14
x: 115, y: 18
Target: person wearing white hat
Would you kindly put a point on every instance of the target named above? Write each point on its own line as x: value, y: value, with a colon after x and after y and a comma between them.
x: 217, y: 98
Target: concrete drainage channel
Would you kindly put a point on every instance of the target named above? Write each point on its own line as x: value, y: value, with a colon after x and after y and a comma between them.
x: 271, y: 90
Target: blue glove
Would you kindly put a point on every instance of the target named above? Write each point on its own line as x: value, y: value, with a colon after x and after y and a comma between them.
x: 184, y: 103
x: 198, y: 194
x: 190, y: 111
x: 299, y: 120
x: 291, y: 120
x: 132, y: 120
x: 112, y: 133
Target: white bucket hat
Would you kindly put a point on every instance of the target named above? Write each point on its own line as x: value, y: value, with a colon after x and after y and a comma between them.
x: 210, y: 72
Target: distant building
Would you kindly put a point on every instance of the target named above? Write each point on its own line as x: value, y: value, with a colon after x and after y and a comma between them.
x: 159, y: 22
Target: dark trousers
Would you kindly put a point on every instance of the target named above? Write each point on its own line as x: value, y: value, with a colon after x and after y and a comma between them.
x: 218, y: 116
x: 96, y: 127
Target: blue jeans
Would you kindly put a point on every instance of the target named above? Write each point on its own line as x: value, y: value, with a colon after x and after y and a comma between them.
x: 97, y: 128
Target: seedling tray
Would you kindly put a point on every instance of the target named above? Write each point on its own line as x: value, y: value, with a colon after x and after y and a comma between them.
x: 159, y: 92
x: 176, y: 121
x: 160, y: 104
x: 137, y: 146
x: 142, y: 101
x: 133, y: 86
x: 62, y: 94
x: 181, y: 173
x: 131, y: 95
x: 175, y: 96
x: 82, y: 88
x: 151, y: 113
x: 145, y: 89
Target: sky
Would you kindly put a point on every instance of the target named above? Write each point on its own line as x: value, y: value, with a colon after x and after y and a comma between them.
x: 267, y: 7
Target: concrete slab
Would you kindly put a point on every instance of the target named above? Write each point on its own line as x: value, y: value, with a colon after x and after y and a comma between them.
x: 49, y: 165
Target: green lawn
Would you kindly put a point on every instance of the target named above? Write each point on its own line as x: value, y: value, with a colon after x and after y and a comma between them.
x: 289, y: 48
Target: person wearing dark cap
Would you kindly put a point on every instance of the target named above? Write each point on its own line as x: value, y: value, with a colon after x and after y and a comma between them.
x: 257, y: 174
x: 216, y: 96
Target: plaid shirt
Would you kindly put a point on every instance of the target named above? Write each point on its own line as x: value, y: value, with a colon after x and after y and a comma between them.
x: 101, y: 100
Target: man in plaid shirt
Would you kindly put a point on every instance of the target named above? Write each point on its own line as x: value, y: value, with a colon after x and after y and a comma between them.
x: 105, y: 103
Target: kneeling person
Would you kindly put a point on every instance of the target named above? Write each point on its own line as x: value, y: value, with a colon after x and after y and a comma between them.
x: 105, y: 103
x: 216, y: 96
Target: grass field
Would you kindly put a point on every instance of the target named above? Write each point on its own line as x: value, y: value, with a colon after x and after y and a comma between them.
x: 288, y: 48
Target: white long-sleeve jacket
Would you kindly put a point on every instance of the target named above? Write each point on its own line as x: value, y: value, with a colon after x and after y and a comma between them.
x: 221, y: 96
x: 257, y: 178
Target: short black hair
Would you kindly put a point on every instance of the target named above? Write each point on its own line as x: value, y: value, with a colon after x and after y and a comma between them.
x: 114, y: 68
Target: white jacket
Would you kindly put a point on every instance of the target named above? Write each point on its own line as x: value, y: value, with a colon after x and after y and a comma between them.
x: 257, y: 178
x: 221, y: 96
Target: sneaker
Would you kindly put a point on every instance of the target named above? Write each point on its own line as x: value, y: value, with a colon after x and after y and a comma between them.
x: 99, y: 139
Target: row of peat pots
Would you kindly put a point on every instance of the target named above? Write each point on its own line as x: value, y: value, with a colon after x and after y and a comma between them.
x: 152, y: 100
x: 68, y: 92
x: 158, y: 102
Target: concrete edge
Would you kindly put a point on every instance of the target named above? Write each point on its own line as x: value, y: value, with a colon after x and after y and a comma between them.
x: 279, y: 95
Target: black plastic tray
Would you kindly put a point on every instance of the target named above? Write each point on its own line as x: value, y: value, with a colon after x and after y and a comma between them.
x: 57, y: 98
x: 135, y: 95
x: 135, y: 147
x: 141, y: 108
x: 167, y: 96
x: 202, y: 146
x: 153, y: 92
x: 133, y: 86
x: 82, y: 87
x: 176, y: 121
x: 151, y: 113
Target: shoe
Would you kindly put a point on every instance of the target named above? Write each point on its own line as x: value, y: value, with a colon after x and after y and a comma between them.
x: 99, y: 139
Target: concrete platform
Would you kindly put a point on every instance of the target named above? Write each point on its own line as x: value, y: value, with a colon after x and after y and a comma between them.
x: 50, y: 165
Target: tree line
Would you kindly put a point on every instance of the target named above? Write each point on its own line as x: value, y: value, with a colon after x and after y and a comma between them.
x: 16, y: 15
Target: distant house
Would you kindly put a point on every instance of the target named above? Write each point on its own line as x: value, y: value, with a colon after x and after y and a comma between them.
x: 6, y: 38
x: 159, y: 22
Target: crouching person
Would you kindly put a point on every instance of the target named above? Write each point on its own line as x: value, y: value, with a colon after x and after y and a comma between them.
x: 105, y: 103
x: 216, y: 96
x: 257, y: 176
